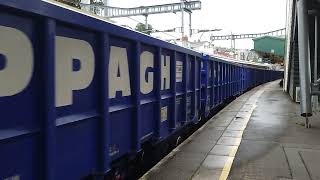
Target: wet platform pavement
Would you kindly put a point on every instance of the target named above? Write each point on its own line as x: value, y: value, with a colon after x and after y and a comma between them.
x: 254, y: 137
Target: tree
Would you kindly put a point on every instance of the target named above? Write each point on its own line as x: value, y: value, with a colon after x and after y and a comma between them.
x: 142, y: 28
x: 97, y: 9
x: 97, y: 2
x: 73, y: 3
x: 76, y: 4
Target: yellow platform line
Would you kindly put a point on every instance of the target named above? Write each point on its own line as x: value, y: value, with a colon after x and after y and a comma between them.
x: 227, y: 167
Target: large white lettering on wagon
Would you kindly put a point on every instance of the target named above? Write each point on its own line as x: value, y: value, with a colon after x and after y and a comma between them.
x: 165, y: 72
x: 146, y: 61
x: 118, y: 72
x: 17, y: 53
x: 68, y: 80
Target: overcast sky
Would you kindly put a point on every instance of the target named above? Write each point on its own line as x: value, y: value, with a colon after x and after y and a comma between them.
x: 236, y: 16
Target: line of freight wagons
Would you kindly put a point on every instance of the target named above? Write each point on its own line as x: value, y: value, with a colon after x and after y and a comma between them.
x: 78, y: 93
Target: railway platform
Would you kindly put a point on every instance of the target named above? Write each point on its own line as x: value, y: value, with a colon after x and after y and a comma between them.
x: 257, y: 136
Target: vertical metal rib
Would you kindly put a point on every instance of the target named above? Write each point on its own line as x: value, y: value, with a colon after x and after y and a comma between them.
x: 315, y: 70
x: 304, y: 58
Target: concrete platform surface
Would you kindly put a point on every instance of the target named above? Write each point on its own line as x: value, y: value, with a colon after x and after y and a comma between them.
x: 257, y: 136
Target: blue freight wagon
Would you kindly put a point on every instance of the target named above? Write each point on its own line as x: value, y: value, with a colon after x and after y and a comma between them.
x: 222, y: 79
x: 78, y: 93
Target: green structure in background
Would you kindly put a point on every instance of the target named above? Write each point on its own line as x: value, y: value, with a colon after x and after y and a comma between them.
x: 269, y: 44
